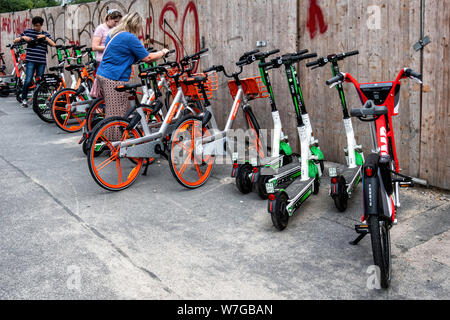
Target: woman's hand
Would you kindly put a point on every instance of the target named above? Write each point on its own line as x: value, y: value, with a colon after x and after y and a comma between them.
x: 156, y: 55
x: 165, y: 51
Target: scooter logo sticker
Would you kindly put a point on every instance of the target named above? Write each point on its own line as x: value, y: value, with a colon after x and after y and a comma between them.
x: 383, y: 141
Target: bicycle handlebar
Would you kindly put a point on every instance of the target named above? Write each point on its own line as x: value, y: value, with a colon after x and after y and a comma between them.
x: 194, y: 56
x: 413, y: 74
x: 303, y: 57
x: 295, y: 54
x: 369, y: 109
x: 331, y: 58
x: 246, y: 54
x: 264, y: 55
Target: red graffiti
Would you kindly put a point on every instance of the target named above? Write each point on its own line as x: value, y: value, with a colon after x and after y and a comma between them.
x: 179, y: 42
x: 171, y: 7
x: 315, y: 16
x: 17, y: 26
x: 6, y: 24
x: 145, y: 33
x: 190, y: 8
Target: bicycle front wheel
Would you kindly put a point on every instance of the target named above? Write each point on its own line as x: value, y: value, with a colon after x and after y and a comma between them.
x: 109, y: 170
x: 189, y: 166
x: 381, y: 248
x: 65, y: 118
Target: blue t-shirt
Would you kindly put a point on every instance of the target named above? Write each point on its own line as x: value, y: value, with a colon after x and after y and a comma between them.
x: 120, y: 55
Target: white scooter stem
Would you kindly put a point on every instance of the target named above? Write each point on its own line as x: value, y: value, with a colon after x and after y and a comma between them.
x: 351, y: 143
x: 304, y: 151
x: 276, y: 134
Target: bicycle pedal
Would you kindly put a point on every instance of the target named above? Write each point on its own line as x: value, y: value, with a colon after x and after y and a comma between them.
x: 362, y: 228
x: 406, y: 184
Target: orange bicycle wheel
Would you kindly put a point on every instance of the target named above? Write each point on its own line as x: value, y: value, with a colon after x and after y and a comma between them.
x: 108, y: 169
x: 65, y: 118
x: 190, y: 168
x: 95, y: 115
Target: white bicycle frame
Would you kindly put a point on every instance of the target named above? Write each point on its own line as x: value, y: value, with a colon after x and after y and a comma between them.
x: 139, y: 144
x: 215, y: 143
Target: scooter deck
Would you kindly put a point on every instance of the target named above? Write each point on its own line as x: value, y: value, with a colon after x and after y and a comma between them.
x: 298, y: 191
x: 280, y: 172
x: 351, y: 176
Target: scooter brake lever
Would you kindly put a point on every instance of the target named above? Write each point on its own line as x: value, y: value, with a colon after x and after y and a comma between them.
x: 335, y: 84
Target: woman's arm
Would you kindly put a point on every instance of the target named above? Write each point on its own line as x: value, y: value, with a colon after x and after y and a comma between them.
x: 155, y: 55
x: 96, y: 44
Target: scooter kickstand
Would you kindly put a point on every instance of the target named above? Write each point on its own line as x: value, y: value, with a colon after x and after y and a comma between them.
x: 357, y: 240
x: 363, y: 230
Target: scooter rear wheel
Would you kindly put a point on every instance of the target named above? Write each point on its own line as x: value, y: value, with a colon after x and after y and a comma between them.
x: 243, y: 182
x: 261, y: 186
x: 340, y: 200
x: 280, y: 216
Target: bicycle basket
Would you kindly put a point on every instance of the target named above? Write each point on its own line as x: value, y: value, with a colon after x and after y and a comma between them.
x: 193, y: 90
x: 253, y: 88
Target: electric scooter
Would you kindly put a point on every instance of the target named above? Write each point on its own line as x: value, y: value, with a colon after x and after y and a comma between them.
x: 281, y: 154
x: 283, y: 202
x: 343, y: 182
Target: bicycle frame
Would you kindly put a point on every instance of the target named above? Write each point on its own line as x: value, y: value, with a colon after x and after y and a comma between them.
x: 138, y: 146
x: 214, y: 144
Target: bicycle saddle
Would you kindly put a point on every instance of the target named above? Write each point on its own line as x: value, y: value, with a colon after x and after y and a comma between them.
x: 74, y: 67
x: 195, y: 80
x: 369, y: 109
x: 57, y: 68
x: 127, y: 87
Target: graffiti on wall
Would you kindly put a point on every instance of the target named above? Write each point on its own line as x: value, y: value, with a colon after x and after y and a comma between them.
x: 316, y: 20
x: 11, y: 24
x: 76, y: 24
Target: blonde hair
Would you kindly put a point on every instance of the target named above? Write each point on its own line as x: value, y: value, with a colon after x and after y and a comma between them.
x: 132, y: 22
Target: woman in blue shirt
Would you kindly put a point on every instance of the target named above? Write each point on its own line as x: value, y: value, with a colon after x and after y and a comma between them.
x: 123, y: 49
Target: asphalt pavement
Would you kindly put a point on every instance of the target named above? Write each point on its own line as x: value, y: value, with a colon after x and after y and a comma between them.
x: 64, y: 237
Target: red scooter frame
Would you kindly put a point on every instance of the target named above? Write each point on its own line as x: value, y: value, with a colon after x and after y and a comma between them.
x: 385, y: 132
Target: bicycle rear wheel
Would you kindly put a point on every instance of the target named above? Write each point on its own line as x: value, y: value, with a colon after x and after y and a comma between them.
x: 381, y: 248
x: 190, y: 168
x: 108, y: 170
x: 95, y: 115
x: 65, y: 118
